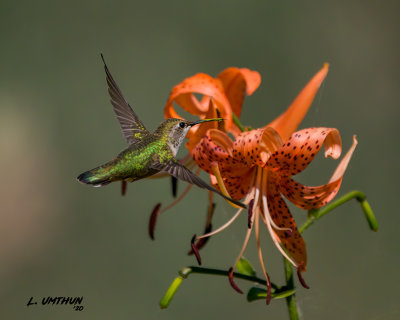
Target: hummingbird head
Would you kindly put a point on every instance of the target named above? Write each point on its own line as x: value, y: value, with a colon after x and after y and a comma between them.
x: 175, y: 130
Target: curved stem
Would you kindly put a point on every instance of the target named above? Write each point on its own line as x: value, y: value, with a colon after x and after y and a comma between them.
x: 315, y: 214
x: 185, y: 272
x: 287, y: 291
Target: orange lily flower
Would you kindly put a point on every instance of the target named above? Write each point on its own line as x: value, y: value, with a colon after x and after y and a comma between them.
x: 259, y: 167
x: 226, y: 92
x: 259, y: 164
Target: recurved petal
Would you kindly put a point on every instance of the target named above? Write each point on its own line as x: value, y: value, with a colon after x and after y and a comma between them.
x: 316, y: 197
x: 237, y: 180
x: 292, y: 240
x: 309, y: 197
x: 301, y: 148
x: 215, y: 146
x: 200, y: 83
x: 256, y: 146
x: 288, y: 121
x: 196, y: 133
x: 237, y: 81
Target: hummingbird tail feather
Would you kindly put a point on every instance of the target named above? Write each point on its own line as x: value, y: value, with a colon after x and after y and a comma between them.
x: 90, y: 177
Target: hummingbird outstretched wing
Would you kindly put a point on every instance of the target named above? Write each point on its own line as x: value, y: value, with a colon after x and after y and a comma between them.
x: 131, y: 126
x: 175, y: 169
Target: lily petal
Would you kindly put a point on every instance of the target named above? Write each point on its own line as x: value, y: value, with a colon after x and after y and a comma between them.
x: 216, y: 146
x: 200, y: 83
x: 316, y: 197
x: 209, y: 150
x: 256, y: 146
x: 341, y: 168
x: 288, y: 121
x: 292, y: 241
x: 308, y: 197
x: 235, y: 82
x: 301, y: 148
x: 196, y: 133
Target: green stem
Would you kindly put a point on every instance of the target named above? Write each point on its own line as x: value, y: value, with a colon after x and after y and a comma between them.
x: 237, y: 122
x: 290, y: 300
x: 287, y: 291
x: 257, y: 293
x: 185, y: 272
x: 315, y: 214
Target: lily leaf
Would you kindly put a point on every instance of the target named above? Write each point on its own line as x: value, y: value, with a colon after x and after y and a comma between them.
x: 245, y: 267
x: 256, y: 293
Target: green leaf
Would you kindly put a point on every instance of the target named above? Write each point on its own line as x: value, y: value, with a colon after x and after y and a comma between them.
x: 256, y: 293
x: 244, y: 267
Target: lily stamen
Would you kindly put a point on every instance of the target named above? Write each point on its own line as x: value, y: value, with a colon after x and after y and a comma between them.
x: 157, y: 209
x: 224, y: 226
x: 299, y: 275
x: 260, y: 257
x: 248, y: 198
x: 274, y: 236
x: 232, y: 282
x: 246, y: 240
x: 195, y: 250
x: 251, y: 204
x: 183, y: 194
x: 221, y: 185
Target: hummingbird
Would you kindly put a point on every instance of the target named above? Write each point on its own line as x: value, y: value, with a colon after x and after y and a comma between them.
x: 147, y: 153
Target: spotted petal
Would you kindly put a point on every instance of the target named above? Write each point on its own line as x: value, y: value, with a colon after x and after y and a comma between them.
x: 315, y: 197
x: 216, y: 148
x: 292, y: 240
x: 301, y: 148
x: 309, y: 197
x: 256, y: 146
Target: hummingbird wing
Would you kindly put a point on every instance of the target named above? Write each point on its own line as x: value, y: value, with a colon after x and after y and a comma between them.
x: 132, y: 128
x: 175, y: 169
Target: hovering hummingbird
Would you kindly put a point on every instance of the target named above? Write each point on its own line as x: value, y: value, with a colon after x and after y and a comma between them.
x: 148, y: 153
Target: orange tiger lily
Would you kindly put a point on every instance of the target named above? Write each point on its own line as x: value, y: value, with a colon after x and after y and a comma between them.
x: 226, y: 92
x: 259, y: 167
x: 259, y: 164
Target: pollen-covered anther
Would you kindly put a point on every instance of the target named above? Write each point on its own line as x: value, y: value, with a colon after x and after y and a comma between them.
x: 289, y: 232
x: 123, y: 187
x: 301, y: 279
x: 233, y: 284
x: 153, y: 220
x: 202, y: 241
x: 268, y: 300
x: 195, y: 250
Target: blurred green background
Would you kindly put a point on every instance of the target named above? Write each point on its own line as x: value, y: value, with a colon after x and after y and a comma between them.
x: 60, y: 238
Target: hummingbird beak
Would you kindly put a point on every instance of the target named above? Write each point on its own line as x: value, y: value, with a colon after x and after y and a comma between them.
x: 205, y: 120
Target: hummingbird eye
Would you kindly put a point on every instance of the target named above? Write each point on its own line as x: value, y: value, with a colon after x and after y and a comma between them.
x: 182, y: 124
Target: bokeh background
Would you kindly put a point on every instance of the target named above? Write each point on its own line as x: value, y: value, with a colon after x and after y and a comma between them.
x: 60, y: 238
